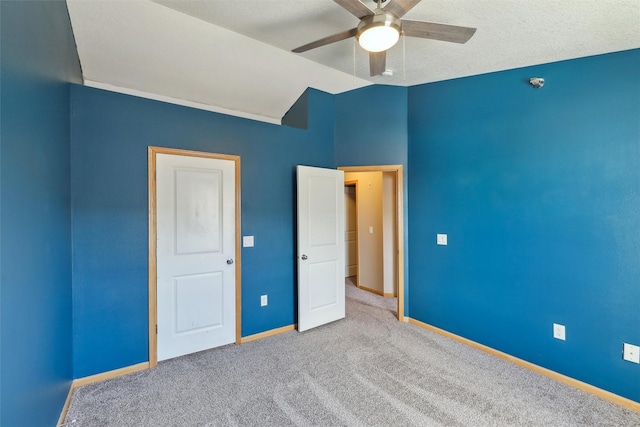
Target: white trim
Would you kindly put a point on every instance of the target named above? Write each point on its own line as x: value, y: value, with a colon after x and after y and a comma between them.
x: 192, y: 104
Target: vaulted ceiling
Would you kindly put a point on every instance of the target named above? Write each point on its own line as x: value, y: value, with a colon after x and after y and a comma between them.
x: 234, y: 56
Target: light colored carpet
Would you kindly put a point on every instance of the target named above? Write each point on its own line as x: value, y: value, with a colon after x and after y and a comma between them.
x: 366, y: 370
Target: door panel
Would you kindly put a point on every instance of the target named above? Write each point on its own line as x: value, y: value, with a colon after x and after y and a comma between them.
x: 320, y: 295
x: 198, y: 222
x: 198, y: 302
x: 195, y: 199
x: 321, y: 221
x: 323, y: 218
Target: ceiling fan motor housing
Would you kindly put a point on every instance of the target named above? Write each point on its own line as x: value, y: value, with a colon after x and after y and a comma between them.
x: 381, y: 21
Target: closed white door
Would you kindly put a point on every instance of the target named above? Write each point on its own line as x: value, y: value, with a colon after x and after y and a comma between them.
x: 321, y: 221
x: 195, y: 202
x: 351, y: 232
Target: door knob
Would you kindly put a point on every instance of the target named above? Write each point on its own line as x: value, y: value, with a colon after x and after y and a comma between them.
x: 304, y: 257
x: 229, y: 261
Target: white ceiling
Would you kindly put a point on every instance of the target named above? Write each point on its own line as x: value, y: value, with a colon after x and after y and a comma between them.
x: 233, y: 56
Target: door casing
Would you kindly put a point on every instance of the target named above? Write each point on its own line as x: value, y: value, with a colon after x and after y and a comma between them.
x: 152, y: 152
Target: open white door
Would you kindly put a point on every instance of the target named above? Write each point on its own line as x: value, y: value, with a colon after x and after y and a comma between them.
x: 321, y: 220
x: 196, y: 279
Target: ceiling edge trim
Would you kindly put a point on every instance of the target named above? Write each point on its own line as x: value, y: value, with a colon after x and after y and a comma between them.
x: 182, y: 102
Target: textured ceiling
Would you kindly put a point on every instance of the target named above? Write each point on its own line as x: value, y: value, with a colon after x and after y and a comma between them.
x: 234, y: 56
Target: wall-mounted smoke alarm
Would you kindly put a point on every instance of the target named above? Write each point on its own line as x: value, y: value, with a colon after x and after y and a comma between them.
x: 536, y: 82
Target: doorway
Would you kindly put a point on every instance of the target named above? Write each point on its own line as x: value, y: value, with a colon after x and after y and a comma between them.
x: 194, y: 206
x: 386, y: 275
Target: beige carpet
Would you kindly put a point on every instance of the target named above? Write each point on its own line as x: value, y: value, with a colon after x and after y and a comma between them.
x: 366, y: 370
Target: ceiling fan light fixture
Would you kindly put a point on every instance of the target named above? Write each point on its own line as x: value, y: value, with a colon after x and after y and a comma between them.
x: 379, y: 32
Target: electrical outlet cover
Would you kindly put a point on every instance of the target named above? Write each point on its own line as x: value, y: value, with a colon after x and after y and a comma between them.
x: 559, y: 332
x: 631, y: 353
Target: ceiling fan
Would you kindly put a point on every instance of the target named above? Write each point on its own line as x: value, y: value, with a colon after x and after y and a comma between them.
x: 381, y: 28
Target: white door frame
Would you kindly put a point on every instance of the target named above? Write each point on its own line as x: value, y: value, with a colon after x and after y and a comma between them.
x: 152, y: 152
x: 397, y: 169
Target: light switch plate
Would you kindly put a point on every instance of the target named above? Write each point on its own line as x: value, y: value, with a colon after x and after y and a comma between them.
x: 631, y: 353
x: 441, y: 239
x: 263, y: 300
x: 247, y: 241
x: 371, y: 230
x: 559, y: 332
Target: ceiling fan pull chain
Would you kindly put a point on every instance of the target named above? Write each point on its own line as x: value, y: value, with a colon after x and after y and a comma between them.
x: 404, y: 59
x: 354, y: 62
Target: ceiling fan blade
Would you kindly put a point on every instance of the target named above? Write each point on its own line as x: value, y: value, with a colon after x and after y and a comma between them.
x: 326, y: 40
x: 377, y: 62
x: 431, y: 30
x: 400, y: 7
x: 355, y: 7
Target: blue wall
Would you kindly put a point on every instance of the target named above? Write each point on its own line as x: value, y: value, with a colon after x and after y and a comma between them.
x: 111, y: 133
x: 371, y: 129
x: 539, y: 192
x: 371, y: 126
x: 38, y: 59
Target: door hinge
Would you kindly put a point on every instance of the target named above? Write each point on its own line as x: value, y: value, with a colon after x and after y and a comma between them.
x: 156, y: 329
